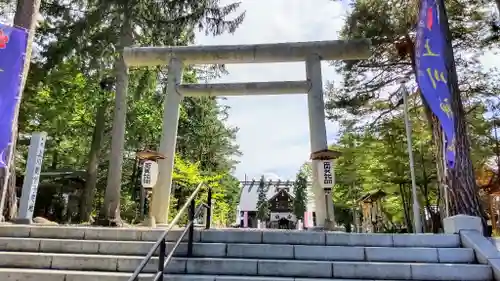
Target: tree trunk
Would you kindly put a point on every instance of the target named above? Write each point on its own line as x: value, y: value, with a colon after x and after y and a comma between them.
x: 26, y: 14
x: 10, y: 211
x: 88, y: 194
x: 437, y: 137
x: 134, y: 178
x: 110, y: 213
x: 406, y: 207
x: 55, y: 158
x: 464, y: 191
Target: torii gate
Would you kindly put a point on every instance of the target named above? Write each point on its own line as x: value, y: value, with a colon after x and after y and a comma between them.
x: 176, y: 57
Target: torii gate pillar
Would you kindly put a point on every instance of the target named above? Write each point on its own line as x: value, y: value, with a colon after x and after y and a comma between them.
x: 310, y: 52
x: 317, y: 133
x: 171, y: 105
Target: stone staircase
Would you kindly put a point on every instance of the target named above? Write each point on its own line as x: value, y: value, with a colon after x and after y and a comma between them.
x: 57, y: 253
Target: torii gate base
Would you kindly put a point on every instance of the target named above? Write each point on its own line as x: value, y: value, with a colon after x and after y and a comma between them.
x: 176, y: 57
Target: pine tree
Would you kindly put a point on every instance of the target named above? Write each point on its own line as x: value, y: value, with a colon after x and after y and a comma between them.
x: 464, y: 195
x: 262, y: 202
x: 300, y: 199
x: 114, y: 25
x: 366, y: 84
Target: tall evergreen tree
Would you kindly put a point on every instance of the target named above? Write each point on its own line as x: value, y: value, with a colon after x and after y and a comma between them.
x: 262, y: 201
x: 367, y: 90
x: 300, y: 192
x: 116, y: 25
x: 79, y: 45
x: 464, y: 195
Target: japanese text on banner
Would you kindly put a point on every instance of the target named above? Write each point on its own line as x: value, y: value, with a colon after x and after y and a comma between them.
x: 431, y: 72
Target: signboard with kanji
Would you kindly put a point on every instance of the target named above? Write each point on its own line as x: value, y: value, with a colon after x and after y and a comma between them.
x: 149, y: 174
x: 325, y: 173
x: 32, y: 176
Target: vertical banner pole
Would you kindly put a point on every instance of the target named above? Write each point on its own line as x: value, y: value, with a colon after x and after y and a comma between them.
x: 445, y: 177
x: 416, y: 206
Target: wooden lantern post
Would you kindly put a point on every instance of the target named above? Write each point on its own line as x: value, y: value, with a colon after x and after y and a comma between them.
x: 323, y: 165
x: 149, y: 176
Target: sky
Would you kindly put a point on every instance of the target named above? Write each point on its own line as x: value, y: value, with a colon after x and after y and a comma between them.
x: 274, y: 130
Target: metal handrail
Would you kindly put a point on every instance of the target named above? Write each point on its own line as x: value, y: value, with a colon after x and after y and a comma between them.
x: 162, y: 241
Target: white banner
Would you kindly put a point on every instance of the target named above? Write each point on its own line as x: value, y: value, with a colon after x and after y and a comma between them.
x: 326, y: 174
x: 149, y: 174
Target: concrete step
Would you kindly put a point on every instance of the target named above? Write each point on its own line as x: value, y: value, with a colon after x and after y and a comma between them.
x: 89, y: 233
x: 253, y: 267
x: 20, y: 274
x: 292, y: 237
x: 262, y: 251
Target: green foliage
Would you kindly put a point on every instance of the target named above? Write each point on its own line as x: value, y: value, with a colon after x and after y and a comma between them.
x: 368, y: 88
x: 368, y: 105
x: 74, y: 24
x: 300, y: 192
x: 78, y: 44
x: 262, y: 201
x: 377, y: 159
x: 306, y: 169
x: 343, y: 216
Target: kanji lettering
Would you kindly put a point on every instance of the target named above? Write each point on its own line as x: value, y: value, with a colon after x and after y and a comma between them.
x: 435, y: 76
x: 446, y: 108
x: 327, y: 174
x: 428, y: 51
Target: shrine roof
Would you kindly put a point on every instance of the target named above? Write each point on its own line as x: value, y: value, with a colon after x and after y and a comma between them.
x: 249, y: 193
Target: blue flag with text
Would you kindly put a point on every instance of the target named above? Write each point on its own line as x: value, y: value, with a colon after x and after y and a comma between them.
x: 13, y: 43
x: 431, y: 71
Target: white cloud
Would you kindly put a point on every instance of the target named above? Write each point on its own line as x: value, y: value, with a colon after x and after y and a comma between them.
x: 274, y: 130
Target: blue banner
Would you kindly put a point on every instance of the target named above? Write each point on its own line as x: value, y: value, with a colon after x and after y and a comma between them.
x: 13, y: 43
x: 432, y: 73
